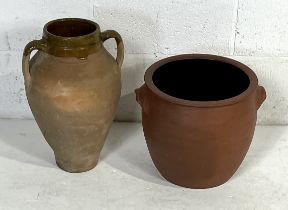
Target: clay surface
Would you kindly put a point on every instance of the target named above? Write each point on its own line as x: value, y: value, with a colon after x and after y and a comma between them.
x: 198, y: 115
x: 73, y: 86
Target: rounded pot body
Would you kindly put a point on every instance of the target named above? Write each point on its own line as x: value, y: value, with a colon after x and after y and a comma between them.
x: 73, y: 86
x: 198, y: 144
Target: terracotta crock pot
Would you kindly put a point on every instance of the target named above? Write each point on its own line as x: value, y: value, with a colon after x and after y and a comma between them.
x: 198, y: 115
x: 73, y: 86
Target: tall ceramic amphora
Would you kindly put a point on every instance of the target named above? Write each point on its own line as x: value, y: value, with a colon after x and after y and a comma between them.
x: 73, y: 86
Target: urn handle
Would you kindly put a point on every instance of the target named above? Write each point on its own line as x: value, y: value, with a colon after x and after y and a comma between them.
x: 140, y: 92
x: 261, y: 96
x: 33, y: 45
x: 120, y: 46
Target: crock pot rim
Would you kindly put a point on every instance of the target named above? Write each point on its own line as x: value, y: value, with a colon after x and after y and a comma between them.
x: 253, y: 80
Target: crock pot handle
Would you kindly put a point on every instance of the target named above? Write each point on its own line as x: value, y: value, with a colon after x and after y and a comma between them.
x: 120, y: 46
x: 33, y: 45
x: 140, y: 95
x: 261, y: 96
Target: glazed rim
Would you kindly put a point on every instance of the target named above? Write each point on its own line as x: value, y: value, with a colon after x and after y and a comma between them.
x: 94, y: 28
x: 253, y: 81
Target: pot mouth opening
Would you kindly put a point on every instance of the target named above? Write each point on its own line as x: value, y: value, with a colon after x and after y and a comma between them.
x: 71, y: 27
x: 200, y: 80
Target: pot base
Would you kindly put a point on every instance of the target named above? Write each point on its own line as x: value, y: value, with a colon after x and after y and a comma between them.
x: 73, y: 168
x: 196, y: 184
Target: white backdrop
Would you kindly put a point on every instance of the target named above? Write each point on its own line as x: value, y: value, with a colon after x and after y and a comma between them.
x: 253, y: 32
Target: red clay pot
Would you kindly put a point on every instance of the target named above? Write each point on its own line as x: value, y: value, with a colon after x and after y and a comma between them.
x: 198, y: 115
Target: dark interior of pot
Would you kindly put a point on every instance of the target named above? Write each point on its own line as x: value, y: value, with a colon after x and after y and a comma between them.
x: 71, y: 28
x: 200, y: 80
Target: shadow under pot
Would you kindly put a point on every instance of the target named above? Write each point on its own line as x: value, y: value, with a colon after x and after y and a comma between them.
x: 199, y: 114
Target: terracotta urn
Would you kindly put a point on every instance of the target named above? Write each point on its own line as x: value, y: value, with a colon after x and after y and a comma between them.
x: 198, y: 114
x: 73, y: 86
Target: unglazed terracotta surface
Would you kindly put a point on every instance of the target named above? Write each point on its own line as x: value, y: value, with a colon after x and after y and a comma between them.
x: 73, y: 86
x: 199, y: 126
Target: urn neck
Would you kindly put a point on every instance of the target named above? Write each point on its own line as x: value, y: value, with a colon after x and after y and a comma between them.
x: 72, y: 37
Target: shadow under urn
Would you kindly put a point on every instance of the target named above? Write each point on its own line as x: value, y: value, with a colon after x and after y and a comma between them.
x: 199, y: 114
x: 73, y: 87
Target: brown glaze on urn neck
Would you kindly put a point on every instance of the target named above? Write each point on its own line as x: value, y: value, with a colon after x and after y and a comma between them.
x: 199, y: 114
x: 72, y: 37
